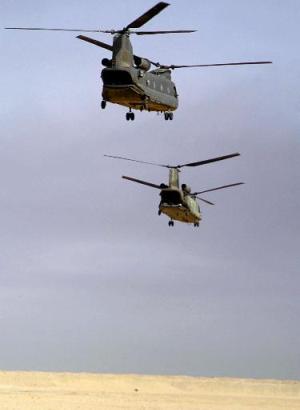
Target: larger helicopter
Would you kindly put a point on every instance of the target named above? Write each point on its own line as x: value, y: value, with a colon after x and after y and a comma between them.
x: 127, y: 79
x: 179, y: 203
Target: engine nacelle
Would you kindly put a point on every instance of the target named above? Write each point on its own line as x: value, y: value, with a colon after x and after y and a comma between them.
x: 186, y: 188
x: 142, y: 63
x: 106, y: 62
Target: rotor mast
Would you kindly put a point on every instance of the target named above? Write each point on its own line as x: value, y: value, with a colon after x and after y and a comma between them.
x: 122, y: 48
x: 122, y: 51
x: 174, y: 177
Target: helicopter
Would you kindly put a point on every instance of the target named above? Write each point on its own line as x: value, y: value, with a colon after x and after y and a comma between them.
x: 127, y: 78
x: 179, y: 203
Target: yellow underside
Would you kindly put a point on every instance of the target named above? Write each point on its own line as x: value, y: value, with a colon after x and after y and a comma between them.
x: 179, y: 213
x: 133, y: 97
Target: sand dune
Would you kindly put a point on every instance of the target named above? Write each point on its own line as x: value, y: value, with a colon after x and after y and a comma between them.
x: 66, y: 391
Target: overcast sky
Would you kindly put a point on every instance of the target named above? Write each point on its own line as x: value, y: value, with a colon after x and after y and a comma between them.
x: 91, y: 278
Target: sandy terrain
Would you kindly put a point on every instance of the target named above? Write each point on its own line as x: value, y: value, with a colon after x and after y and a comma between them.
x: 66, y: 391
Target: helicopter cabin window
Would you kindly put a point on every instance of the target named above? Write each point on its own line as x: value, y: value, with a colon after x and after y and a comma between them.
x: 168, y: 90
x: 161, y: 87
x: 148, y: 83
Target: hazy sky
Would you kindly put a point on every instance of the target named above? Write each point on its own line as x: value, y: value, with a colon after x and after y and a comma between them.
x: 91, y: 278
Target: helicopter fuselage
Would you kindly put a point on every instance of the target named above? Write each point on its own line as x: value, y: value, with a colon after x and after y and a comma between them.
x: 127, y: 80
x: 179, y: 206
x: 138, y: 89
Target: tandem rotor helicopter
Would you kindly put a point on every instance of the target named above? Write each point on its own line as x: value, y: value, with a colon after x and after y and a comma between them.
x: 179, y: 203
x: 127, y: 79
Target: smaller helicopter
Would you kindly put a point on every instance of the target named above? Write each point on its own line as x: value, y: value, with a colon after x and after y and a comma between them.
x: 179, y: 203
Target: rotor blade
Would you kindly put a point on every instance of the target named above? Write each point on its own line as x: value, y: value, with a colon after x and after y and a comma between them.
x: 136, y: 160
x: 173, y: 66
x: 58, y: 29
x: 96, y: 42
x: 205, y: 200
x: 220, y: 187
x: 148, y: 15
x: 208, y: 161
x: 139, y: 181
x: 143, y: 33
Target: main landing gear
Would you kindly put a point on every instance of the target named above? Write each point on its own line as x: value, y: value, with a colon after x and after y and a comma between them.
x: 130, y: 116
x: 168, y: 116
x: 103, y: 104
x: 196, y: 224
x: 171, y: 223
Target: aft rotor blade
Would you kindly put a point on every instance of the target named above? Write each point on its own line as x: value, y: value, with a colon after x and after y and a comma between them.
x: 96, y: 42
x: 208, y: 161
x: 136, y: 160
x: 173, y: 66
x: 220, y: 187
x: 144, y: 33
x: 58, y: 29
x: 144, y: 18
x: 205, y: 200
x: 139, y: 181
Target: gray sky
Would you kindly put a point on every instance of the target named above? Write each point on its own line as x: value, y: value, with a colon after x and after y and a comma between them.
x: 91, y: 279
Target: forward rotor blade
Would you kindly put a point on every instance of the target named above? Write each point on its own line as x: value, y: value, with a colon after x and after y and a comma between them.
x: 205, y: 200
x: 220, y: 187
x: 148, y: 15
x: 208, y: 161
x: 144, y: 33
x: 135, y: 160
x: 57, y: 29
x: 173, y: 66
x: 96, y: 42
x: 139, y: 181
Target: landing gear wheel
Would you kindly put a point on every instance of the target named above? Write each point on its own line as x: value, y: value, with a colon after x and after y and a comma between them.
x: 196, y: 224
x: 171, y: 223
x: 103, y: 104
x: 130, y: 116
x: 168, y: 116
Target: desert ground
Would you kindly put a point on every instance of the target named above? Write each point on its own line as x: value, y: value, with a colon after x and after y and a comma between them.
x: 66, y: 391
